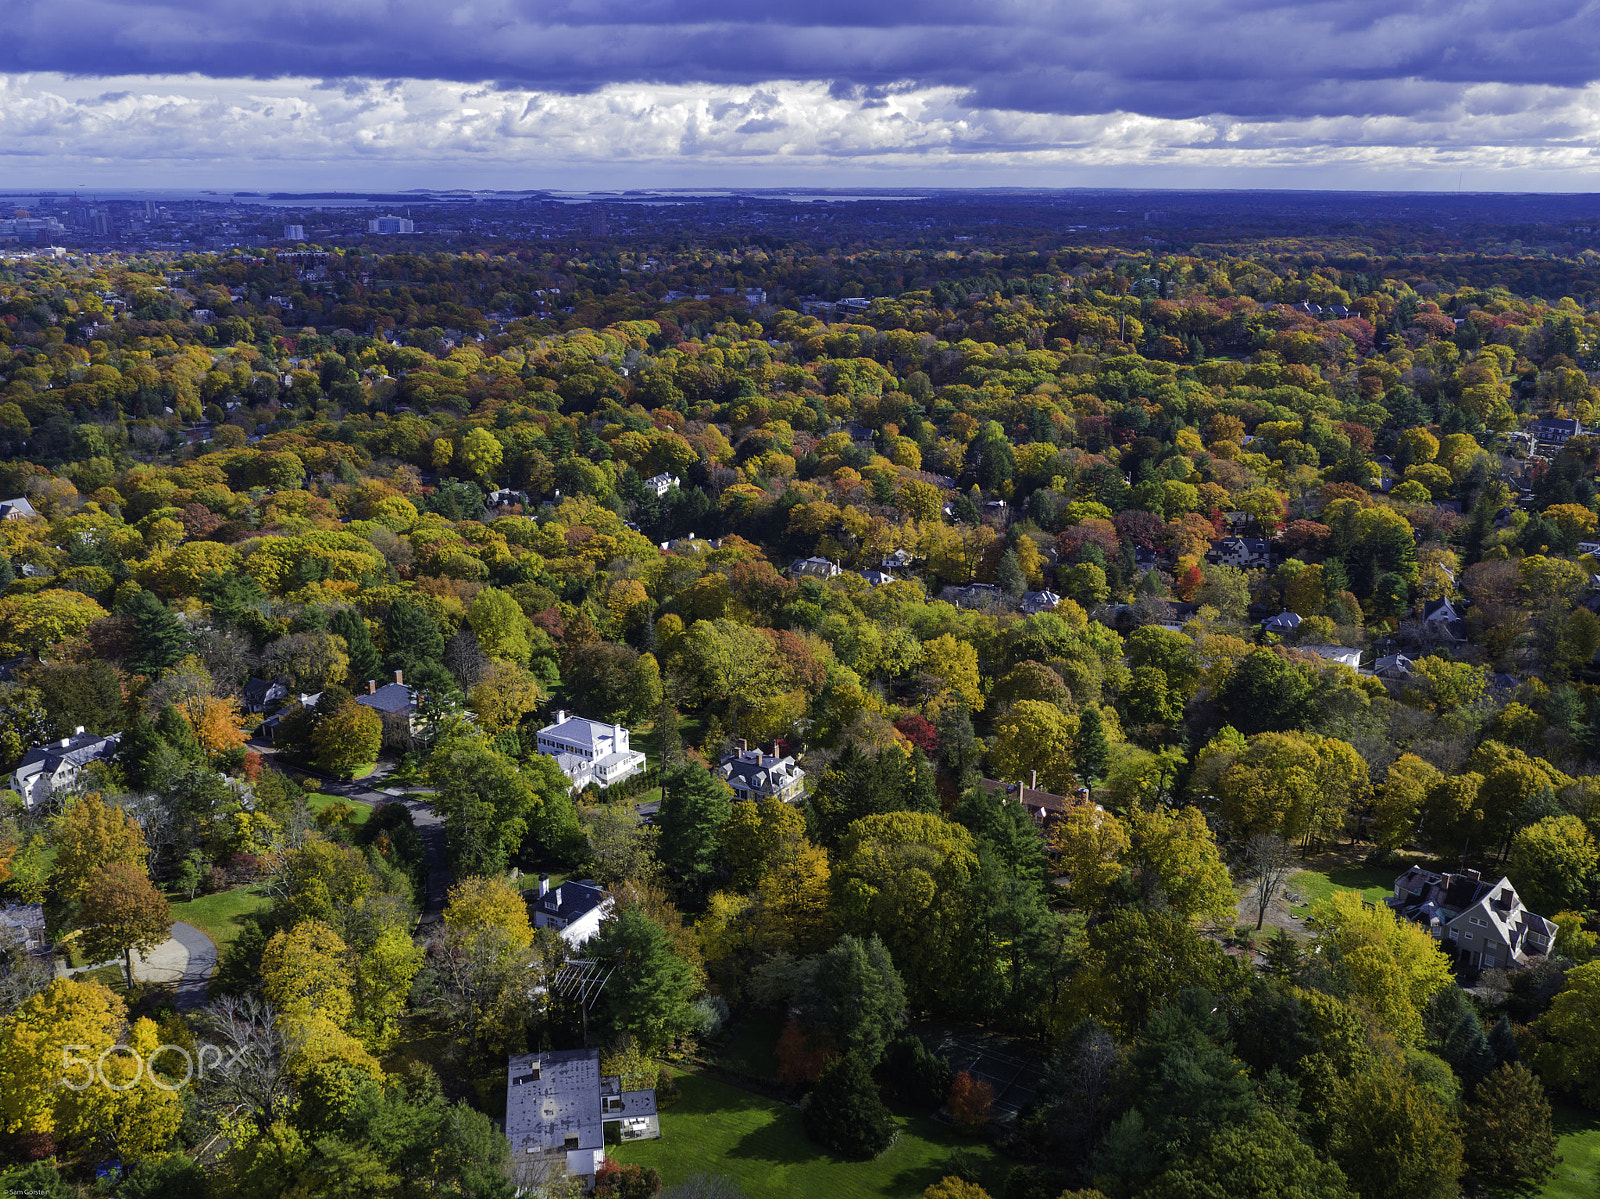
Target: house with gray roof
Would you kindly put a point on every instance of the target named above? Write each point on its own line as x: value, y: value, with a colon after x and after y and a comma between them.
x: 1483, y: 924
x: 755, y: 775
x: 1283, y: 623
x: 396, y: 703
x: 662, y: 483
x: 589, y: 751
x: 1034, y: 602
x: 574, y: 909
x: 557, y: 1106
x: 46, y: 769
x: 17, y: 509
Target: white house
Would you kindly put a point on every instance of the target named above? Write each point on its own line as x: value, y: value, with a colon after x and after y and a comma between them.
x: 662, y: 483
x: 1034, y: 602
x: 1240, y: 551
x: 45, y: 769
x: 1336, y: 653
x: 557, y: 1107
x: 16, y: 509
x: 574, y: 910
x: 588, y: 751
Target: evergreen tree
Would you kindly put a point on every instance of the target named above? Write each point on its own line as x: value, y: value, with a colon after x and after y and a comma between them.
x: 855, y: 995
x: 1504, y: 1043
x: 844, y: 1114
x: 1091, y: 754
x: 364, y: 661
x: 1468, y: 1052
x: 8, y: 574
x: 1009, y: 577
x: 694, y: 807
x: 412, y: 636
x: 1509, y: 1136
x: 159, y: 638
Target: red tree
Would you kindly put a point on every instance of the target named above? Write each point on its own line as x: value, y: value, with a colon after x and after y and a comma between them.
x: 970, y: 1102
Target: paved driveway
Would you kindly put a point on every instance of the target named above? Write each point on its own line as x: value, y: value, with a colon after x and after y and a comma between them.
x: 187, y: 958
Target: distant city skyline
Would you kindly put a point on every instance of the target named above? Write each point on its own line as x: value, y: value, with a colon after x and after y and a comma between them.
x: 507, y: 94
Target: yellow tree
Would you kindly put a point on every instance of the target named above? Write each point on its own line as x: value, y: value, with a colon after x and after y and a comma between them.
x: 1177, y: 853
x: 756, y: 836
x: 1092, y: 845
x: 68, y: 1019
x: 478, y: 904
x: 1394, y: 966
x: 1034, y: 735
x: 305, y: 975
x: 92, y: 835
x: 122, y: 911
x: 1399, y: 801
x: 954, y: 665
x: 504, y: 695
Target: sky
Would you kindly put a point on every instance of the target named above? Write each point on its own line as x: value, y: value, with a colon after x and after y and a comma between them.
x: 391, y: 94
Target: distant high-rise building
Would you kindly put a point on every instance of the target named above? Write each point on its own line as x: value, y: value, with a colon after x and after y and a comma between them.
x: 389, y: 224
x: 598, y: 226
x: 294, y: 233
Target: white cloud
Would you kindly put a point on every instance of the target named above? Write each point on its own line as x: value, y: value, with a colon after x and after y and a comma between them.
x: 293, y: 133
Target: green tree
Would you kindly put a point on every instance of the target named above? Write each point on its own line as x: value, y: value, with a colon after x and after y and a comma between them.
x: 1392, y: 1137
x: 503, y: 631
x: 844, y: 1113
x: 648, y: 994
x: 412, y: 636
x: 1177, y: 855
x: 694, y: 807
x: 158, y: 637
x: 855, y: 996
x: 1507, y: 1130
x: 1394, y: 966
x: 347, y: 737
x: 364, y: 661
x: 1553, y: 864
x: 486, y: 802
x: 1090, y: 752
x: 1569, y: 1060
x: 1262, y: 1158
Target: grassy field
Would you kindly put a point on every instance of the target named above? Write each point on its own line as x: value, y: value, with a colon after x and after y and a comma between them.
x: 1320, y: 882
x: 1577, y: 1175
x: 719, y: 1129
x: 316, y: 802
x: 220, y: 916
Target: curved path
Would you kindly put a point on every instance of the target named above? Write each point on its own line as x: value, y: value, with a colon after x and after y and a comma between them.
x: 187, y: 958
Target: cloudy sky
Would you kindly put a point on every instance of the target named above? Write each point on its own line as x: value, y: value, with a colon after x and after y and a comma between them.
x: 367, y: 94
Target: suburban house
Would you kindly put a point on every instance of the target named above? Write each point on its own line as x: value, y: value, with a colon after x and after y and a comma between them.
x: 1046, y: 807
x: 1393, y: 666
x: 815, y: 568
x: 1240, y: 551
x: 557, y: 1106
x: 1555, y: 430
x: 896, y: 560
x: 1283, y: 623
x: 16, y: 509
x: 45, y: 769
x: 396, y: 703
x: 588, y: 751
x: 662, y: 483
x: 1034, y: 602
x: 259, y: 695
x: 1336, y: 653
x: 756, y: 775
x: 574, y: 909
x: 877, y: 578
x: 505, y: 497
x: 22, y: 924
x: 1441, y: 619
x: 1483, y: 923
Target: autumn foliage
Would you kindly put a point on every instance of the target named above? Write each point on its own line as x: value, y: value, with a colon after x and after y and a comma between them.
x: 801, y: 1056
x: 970, y: 1102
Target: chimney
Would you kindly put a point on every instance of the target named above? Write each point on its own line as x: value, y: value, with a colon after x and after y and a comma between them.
x: 1474, y: 875
x: 558, y: 897
x: 544, y: 885
x: 561, y: 716
x: 775, y: 749
x: 372, y: 686
x: 78, y: 731
x: 744, y: 747
x: 1033, y: 781
x: 400, y: 676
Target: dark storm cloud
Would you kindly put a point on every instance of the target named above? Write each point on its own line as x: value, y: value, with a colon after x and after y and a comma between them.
x: 1262, y: 59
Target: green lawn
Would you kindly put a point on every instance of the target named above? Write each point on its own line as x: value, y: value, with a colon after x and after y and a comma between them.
x: 718, y: 1129
x: 316, y: 802
x: 1374, y: 882
x: 1577, y: 1175
x: 220, y: 916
